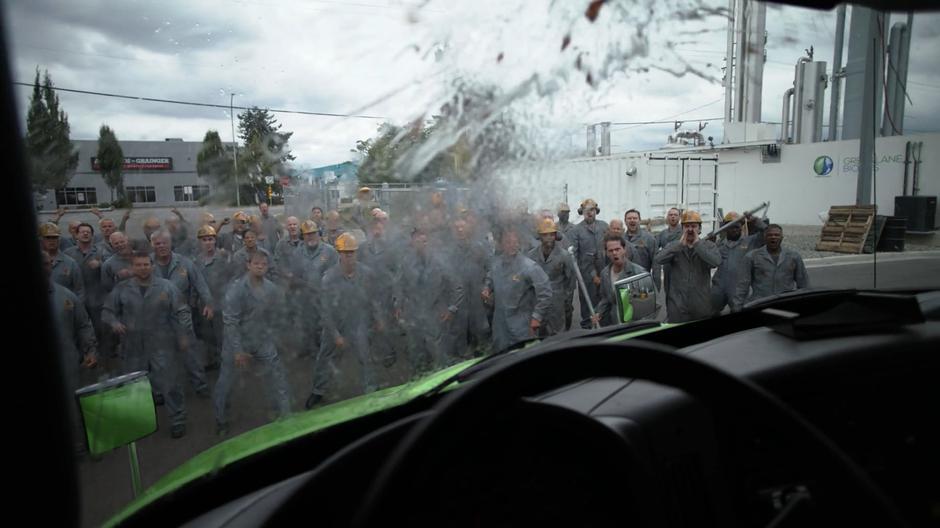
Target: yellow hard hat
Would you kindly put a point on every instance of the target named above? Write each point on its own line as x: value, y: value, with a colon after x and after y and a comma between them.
x: 547, y: 225
x: 346, y: 242
x: 207, y: 218
x: 205, y: 231
x: 309, y: 226
x: 690, y: 217
x: 240, y: 216
x: 731, y: 215
x: 363, y: 189
x: 563, y: 208
x: 48, y: 229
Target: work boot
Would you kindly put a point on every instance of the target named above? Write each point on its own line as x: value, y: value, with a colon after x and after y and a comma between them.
x: 313, y: 400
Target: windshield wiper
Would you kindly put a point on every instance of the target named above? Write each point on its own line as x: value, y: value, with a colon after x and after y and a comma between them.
x: 485, y: 363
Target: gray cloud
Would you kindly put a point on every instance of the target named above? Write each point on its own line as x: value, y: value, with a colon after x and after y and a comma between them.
x: 336, y: 58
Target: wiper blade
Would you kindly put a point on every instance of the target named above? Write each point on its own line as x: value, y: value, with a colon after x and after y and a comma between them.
x: 478, y: 366
x: 485, y: 363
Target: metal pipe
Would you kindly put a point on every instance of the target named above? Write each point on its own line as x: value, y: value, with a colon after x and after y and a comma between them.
x: 740, y: 220
x: 907, y: 163
x: 739, y: 60
x: 837, y: 73
x: 729, y: 58
x: 591, y: 141
x: 785, y: 116
x: 754, y: 62
x: 584, y: 290
x: 918, y: 148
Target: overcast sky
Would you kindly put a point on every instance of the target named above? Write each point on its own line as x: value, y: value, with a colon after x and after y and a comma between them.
x: 398, y: 59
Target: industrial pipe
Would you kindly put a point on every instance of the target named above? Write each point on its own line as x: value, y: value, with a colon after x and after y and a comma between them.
x: 785, y: 118
x: 836, y: 74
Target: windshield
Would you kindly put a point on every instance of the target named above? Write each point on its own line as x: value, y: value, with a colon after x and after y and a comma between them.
x: 299, y: 212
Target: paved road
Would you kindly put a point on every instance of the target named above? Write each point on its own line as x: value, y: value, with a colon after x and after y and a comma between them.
x: 106, y: 483
x: 893, y: 270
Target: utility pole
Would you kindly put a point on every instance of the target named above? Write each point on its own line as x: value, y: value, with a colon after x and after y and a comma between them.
x: 231, y: 113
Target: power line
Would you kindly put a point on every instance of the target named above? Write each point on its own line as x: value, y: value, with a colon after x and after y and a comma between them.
x: 666, y: 122
x: 208, y: 105
x: 669, y: 118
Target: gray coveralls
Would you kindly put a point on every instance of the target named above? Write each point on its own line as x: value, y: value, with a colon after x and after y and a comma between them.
x: 348, y: 311
x: 589, y: 251
x: 561, y: 274
x: 689, y: 294
x: 383, y: 256
x: 192, y: 285
x: 76, y: 340
x: 664, y: 238
x: 313, y: 265
x: 426, y: 290
x: 157, y: 317
x: 521, y: 292
x: 65, y: 271
x: 218, y: 273
x: 468, y: 261
x: 252, y: 317
x: 763, y: 276
x: 606, y: 308
x: 725, y: 279
x: 91, y: 278
x: 644, y: 247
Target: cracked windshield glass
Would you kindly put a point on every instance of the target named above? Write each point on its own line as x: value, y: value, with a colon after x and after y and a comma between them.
x: 259, y: 219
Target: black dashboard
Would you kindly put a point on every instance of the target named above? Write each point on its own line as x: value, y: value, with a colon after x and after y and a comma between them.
x: 620, y: 450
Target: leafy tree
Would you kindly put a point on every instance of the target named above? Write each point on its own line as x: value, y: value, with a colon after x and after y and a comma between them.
x: 52, y: 158
x: 214, y: 162
x: 266, y: 151
x: 471, y: 137
x: 111, y: 161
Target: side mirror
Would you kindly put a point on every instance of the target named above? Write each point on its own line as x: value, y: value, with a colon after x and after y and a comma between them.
x: 118, y: 412
x: 636, y: 298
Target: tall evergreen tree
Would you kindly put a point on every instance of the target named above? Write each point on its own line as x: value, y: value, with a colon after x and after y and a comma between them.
x: 52, y: 158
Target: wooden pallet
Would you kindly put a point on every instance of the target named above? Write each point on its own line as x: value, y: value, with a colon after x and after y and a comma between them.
x: 847, y: 229
x: 874, y: 234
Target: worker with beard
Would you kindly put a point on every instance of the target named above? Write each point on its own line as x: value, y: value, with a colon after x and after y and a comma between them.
x: 587, y: 239
x: 691, y: 259
x: 733, y: 247
x: 644, y: 244
x: 234, y: 240
x: 769, y: 270
x: 556, y: 263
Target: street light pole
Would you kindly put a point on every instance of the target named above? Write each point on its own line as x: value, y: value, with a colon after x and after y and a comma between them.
x: 231, y: 113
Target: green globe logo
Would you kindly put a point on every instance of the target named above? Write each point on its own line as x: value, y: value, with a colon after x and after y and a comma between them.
x: 823, y: 165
